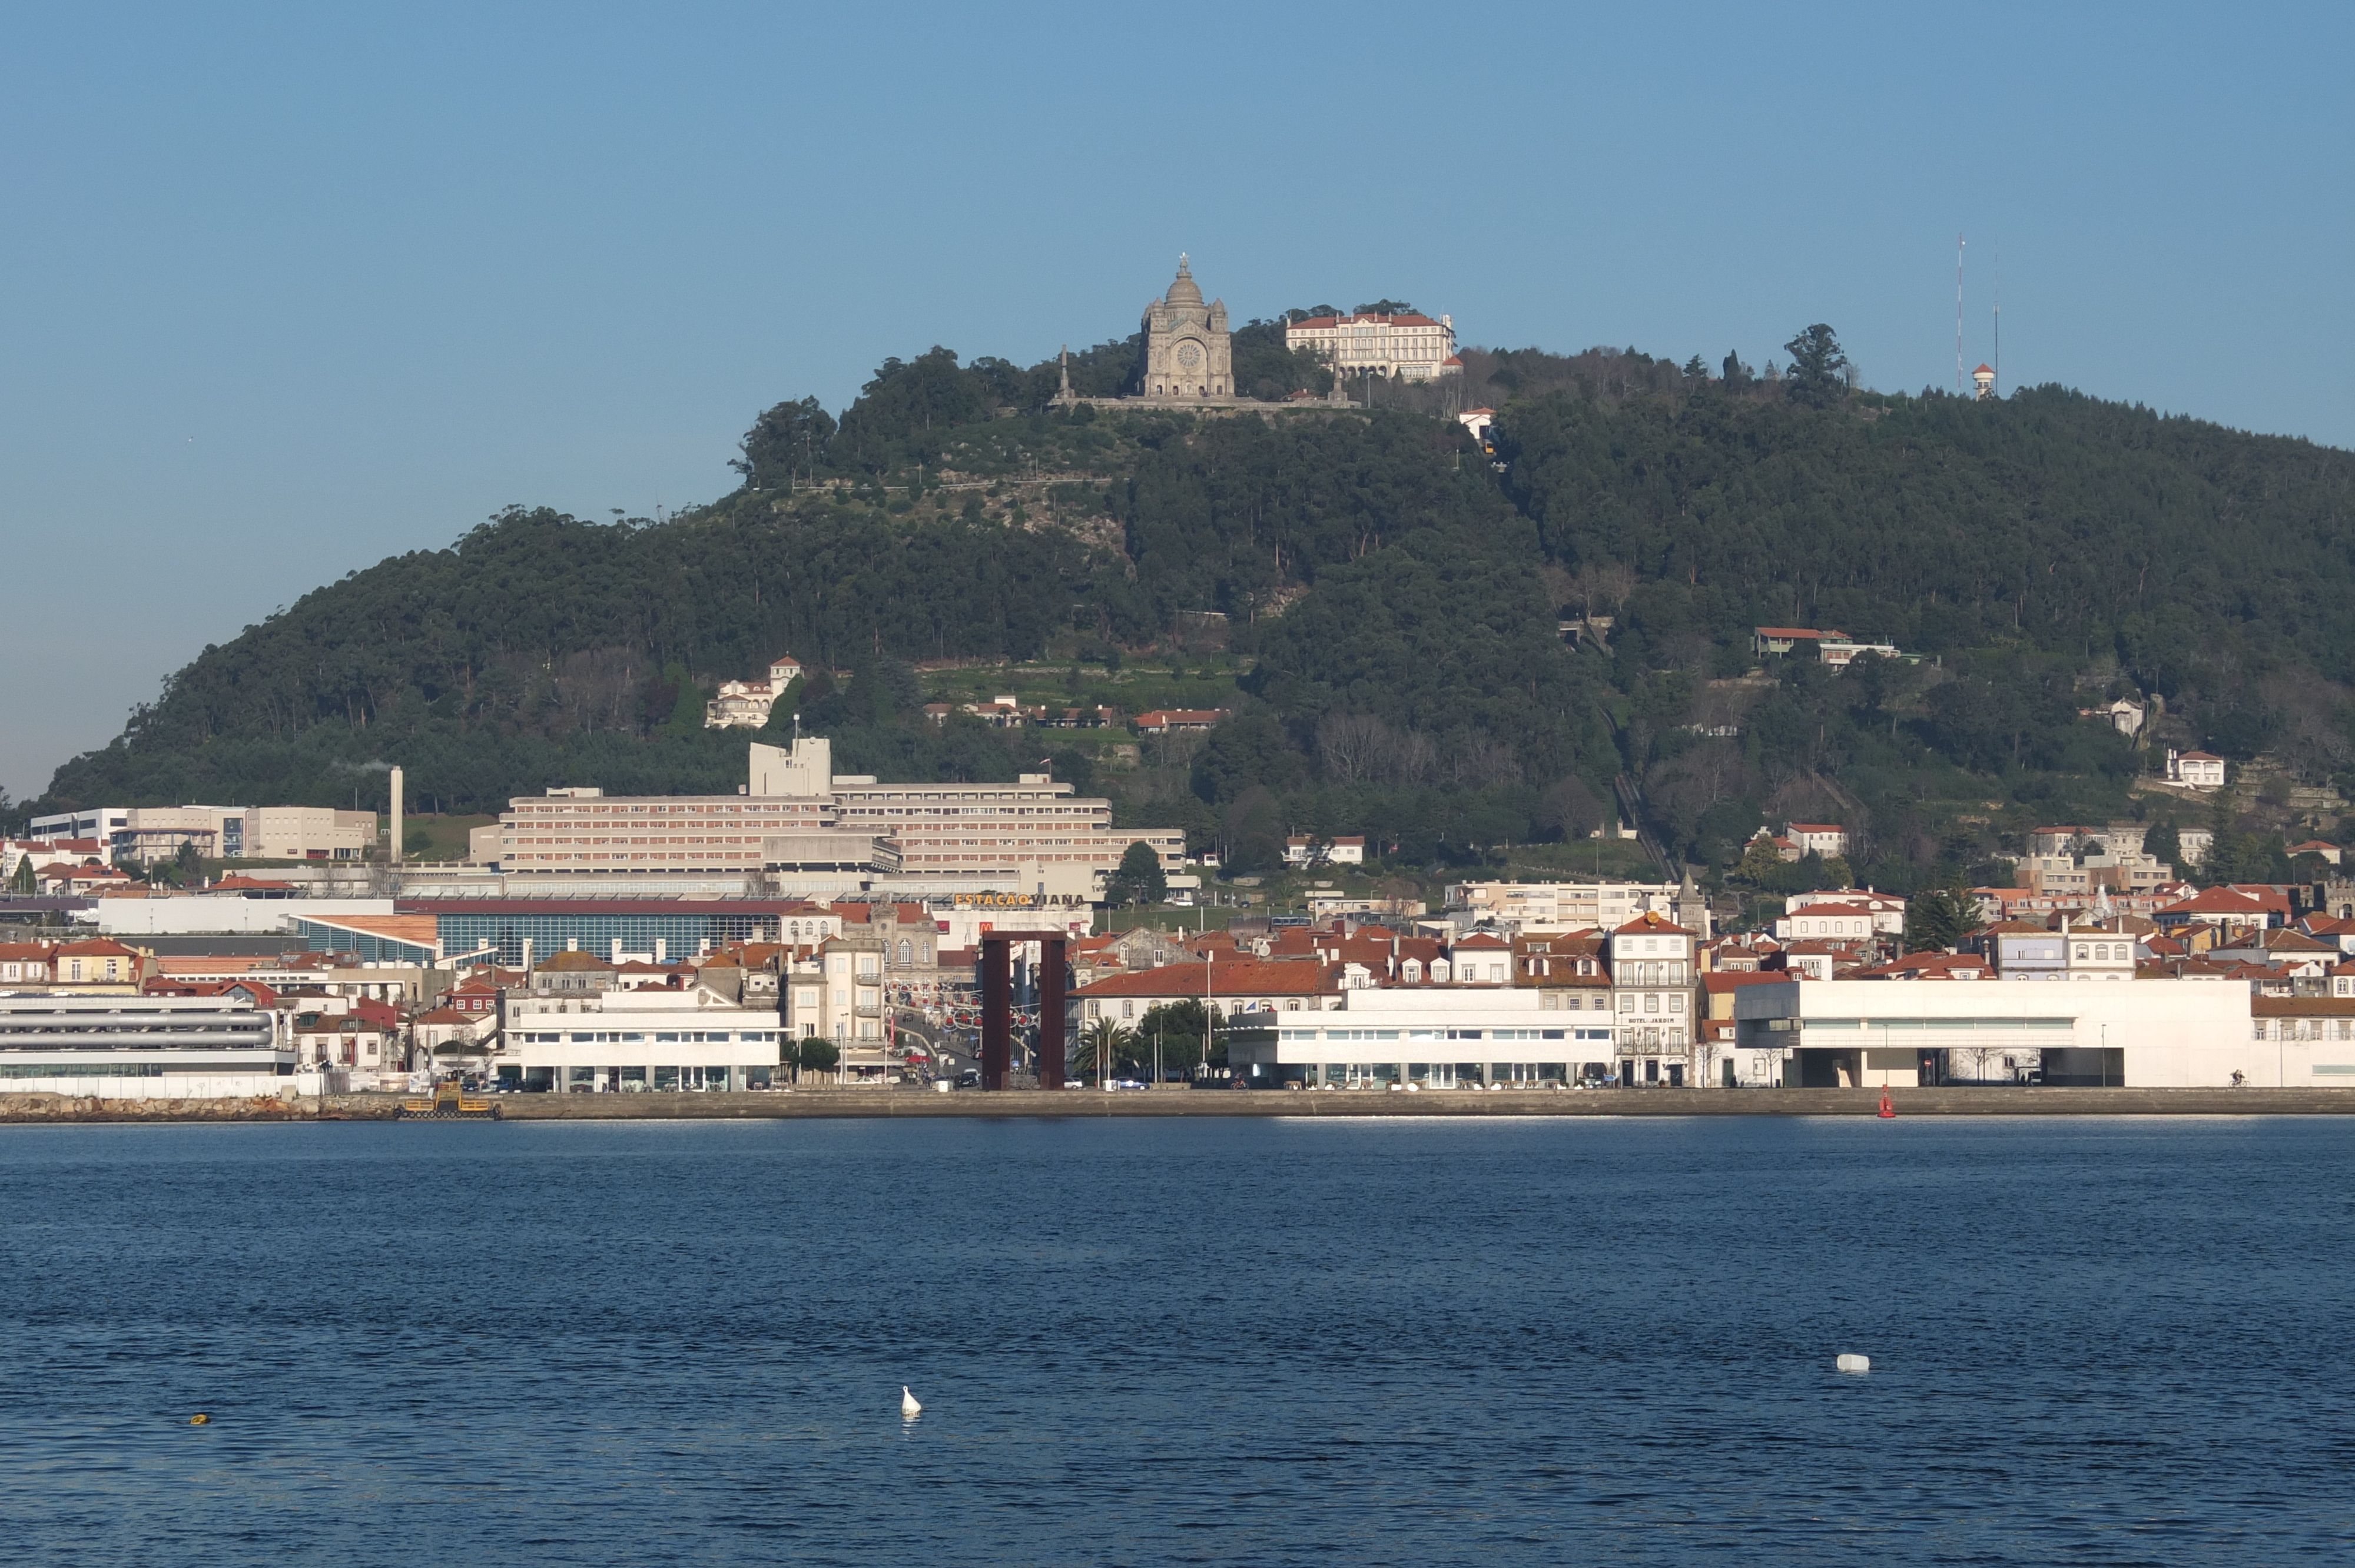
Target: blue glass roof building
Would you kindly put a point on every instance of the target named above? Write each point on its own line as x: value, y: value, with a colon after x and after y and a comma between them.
x: 498, y: 928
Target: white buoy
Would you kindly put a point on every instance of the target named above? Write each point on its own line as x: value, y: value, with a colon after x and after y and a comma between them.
x: 1856, y: 1364
x: 908, y: 1405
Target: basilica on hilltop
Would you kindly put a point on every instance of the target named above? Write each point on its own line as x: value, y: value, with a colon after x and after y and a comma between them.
x: 1189, y: 354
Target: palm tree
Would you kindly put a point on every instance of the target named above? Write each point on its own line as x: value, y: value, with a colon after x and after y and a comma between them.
x: 1103, y: 1044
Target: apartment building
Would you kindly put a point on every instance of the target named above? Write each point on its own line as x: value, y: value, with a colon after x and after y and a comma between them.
x: 1653, y: 982
x: 1561, y: 907
x: 836, y: 993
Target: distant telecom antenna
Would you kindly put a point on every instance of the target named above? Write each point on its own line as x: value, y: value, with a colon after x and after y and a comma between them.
x: 1998, y: 318
x: 1958, y: 315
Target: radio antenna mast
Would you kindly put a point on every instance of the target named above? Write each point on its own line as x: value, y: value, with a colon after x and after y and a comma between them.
x: 1958, y: 315
x: 1998, y: 318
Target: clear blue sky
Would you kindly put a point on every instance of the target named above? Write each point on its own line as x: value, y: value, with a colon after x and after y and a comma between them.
x: 284, y: 290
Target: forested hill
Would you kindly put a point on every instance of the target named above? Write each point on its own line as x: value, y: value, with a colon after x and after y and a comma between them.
x: 1393, y: 601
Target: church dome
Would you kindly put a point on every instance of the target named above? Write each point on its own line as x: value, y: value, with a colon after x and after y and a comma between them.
x: 1184, y: 290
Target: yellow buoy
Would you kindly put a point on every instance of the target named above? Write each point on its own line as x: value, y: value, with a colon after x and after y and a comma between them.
x: 201, y: 1419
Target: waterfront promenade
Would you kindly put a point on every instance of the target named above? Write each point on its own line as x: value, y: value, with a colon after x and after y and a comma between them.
x: 908, y: 1103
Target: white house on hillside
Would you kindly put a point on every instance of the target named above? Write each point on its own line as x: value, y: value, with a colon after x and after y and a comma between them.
x: 746, y: 705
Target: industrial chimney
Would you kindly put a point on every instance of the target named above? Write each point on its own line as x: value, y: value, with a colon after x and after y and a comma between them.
x: 392, y: 849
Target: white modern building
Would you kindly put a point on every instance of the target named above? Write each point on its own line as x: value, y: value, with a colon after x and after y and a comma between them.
x: 1430, y: 1039
x: 1410, y: 347
x: 151, y: 834
x: 1903, y: 1034
x: 141, y: 1047
x: 630, y: 1041
x: 96, y: 822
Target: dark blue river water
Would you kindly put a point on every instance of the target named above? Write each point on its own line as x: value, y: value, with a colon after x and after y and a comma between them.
x: 1136, y: 1342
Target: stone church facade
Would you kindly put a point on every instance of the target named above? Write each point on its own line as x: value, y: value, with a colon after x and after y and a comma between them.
x: 1189, y: 360
x: 1188, y: 353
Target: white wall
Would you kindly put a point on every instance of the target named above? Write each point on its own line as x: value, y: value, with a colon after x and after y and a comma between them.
x: 170, y: 1087
x: 222, y: 914
x: 2174, y: 1033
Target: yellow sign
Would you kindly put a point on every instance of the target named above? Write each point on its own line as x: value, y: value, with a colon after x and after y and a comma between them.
x: 1018, y: 901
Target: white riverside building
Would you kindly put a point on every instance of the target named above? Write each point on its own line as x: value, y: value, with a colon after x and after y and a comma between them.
x: 1435, y: 1039
x: 1803, y: 1033
x: 142, y: 1047
x: 2141, y: 1035
x: 635, y: 1042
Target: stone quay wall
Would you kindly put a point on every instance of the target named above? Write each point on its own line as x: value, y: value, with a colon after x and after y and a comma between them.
x: 1183, y: 1102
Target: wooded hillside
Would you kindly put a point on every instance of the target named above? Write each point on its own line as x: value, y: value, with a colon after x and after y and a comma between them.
x: 1393, y: 601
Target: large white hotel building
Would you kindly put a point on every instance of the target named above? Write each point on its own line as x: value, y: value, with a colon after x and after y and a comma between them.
x: 797, y: 815
x: 1410, y: 347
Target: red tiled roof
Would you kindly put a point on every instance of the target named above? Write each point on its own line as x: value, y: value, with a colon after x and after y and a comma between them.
x: 2218, y: 901
x: 1181, y: 716
x: 1326, y: 323
x: 572, y: 962
x: 95, y: 947
x: 2302, y: 1006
